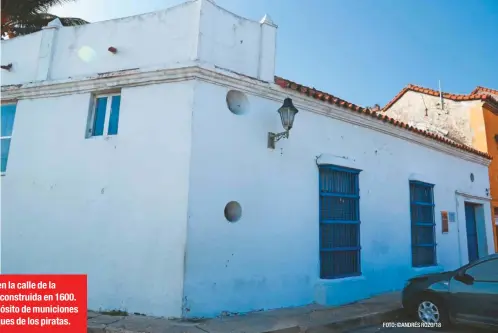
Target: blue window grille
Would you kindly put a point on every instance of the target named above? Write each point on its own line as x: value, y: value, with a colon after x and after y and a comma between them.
x: 104, y: 118
x: 423, y: 224
x: 8, y: 115
x: 339, y: 222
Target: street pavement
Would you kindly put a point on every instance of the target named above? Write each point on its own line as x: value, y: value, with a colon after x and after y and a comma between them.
x: 404, y: 319
x: 380, y: 329
x: 313, y: 318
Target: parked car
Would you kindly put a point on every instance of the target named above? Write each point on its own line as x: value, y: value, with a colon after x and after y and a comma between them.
x: 468, y: 295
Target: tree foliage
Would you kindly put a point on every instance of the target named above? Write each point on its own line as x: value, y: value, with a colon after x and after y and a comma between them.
x: 21, y: 17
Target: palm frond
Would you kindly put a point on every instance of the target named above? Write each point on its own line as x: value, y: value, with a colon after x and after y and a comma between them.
x: 27, y: 7
x: 24, y: 25
x: 72, y: 21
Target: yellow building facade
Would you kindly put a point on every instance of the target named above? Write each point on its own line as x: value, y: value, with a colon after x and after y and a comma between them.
x: 485, y: 125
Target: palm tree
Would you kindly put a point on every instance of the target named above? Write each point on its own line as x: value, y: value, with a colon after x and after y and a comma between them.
x: 22, y: 17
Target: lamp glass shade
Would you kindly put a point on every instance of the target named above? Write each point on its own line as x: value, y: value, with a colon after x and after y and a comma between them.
x: 287, y: 113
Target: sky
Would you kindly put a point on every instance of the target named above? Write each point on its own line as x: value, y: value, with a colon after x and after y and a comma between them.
x: 364, y: 51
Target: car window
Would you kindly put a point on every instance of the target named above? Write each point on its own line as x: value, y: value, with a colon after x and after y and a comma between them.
x: 485, y: 271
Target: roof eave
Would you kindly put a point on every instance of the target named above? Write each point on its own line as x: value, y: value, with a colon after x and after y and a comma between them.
x: 491, y: 105
x: 331, y: 99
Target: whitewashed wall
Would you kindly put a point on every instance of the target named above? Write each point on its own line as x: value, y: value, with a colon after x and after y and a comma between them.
x: 453, y: 121
x: 142, y: 212
x: 114, y: 208
x: 235, y: 43
x: 22, y: 53
x: 269, y: 258
x: 158, y: 38
x: 194, y: 32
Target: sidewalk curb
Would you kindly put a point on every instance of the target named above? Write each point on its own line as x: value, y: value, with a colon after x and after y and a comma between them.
x: 342, y: 326
x: 312, y: 318
x: 345, y: 325
x: 371, y: 319
x: 109, y: 330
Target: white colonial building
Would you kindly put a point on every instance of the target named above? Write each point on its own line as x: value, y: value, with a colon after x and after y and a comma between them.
x: 136, y: 151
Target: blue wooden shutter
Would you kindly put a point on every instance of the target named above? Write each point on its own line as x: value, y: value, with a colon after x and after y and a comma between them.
x: 5, y: 153
x: 99, y: 116
x: 423, y: 224
x: 114, y: 117
x: 7, y: 125
x: 339, y: 222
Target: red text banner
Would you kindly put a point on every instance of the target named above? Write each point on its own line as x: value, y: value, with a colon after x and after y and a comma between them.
x: 43, y: 303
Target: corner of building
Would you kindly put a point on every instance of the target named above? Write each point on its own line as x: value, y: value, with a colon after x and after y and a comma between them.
x: 490, y: 119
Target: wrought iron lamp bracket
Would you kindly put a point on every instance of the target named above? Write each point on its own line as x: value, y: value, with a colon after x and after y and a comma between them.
x: 274, y: 137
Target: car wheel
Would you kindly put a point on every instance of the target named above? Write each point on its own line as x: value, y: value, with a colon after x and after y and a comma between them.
x: 431, y: 311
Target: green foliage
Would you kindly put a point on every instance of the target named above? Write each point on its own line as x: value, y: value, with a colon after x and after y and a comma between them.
x: 22, y: 17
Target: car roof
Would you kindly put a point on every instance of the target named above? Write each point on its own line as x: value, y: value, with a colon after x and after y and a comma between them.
x: 490, y: 256
x: 480, y: 260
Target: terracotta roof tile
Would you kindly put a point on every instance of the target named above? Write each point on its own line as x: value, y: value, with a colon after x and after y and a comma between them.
x: 312, y: 92
x: 480, y: 89
x: 474, y: 95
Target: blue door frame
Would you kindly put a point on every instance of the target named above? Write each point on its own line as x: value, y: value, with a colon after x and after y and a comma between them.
x: 471, y: 226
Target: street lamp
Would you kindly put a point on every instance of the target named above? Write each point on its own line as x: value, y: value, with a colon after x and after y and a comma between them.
x: 287, y: 113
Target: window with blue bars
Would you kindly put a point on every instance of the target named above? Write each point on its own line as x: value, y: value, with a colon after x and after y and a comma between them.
x: 423, y: 224
x: 339, y: 222
x: 104, y: 116
x: 8, y: 114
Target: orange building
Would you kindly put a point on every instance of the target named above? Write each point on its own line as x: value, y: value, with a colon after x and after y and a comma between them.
x: 490, y: 143
x: 470, y: 119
